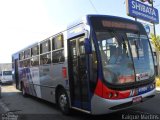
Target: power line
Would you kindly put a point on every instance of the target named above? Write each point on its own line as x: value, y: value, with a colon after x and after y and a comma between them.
x: 93, y: 6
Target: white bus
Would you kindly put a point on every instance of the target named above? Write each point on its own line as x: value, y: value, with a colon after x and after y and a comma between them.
x: 98, y: 65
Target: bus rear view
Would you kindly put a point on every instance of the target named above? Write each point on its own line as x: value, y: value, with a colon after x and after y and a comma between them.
x: 125, y: 64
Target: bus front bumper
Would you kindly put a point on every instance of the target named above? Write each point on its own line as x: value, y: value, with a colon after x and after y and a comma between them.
x: 103, y: 106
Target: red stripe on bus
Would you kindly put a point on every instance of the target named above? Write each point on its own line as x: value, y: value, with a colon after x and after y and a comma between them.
x: 104, y: 92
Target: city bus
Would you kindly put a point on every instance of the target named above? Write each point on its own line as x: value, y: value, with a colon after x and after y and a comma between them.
x: 98, y: 65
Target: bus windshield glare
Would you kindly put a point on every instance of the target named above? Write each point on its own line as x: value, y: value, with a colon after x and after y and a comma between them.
x: 126, y: 56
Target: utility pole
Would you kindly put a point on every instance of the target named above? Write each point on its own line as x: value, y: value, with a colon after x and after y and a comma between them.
x: 155, y: 53
x: 154, y: 27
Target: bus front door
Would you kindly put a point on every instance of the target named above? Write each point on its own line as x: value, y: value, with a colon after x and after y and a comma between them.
x: 78, y: 78
x: 16, y: 74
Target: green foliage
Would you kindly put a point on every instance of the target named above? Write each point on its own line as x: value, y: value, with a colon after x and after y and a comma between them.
x: 156, y: 41
x: 157, y: 81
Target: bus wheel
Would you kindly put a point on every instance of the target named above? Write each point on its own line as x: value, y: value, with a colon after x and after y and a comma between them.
x: 63, y: 102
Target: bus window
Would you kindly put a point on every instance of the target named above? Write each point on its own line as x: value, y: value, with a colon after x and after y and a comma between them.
x: 26, y: 63
x: 35, y: 61
x: 58, y: 56
x: 45, y: 59
x: 81, y: 46
x: 21, y: 56
x: 57, y: 42
x: 45, y: 46
x: 35, y: 50
x: 27, y: 53
x: 21, y: 64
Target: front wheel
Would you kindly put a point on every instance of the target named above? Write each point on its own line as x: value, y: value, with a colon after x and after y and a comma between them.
x: 63, y: 102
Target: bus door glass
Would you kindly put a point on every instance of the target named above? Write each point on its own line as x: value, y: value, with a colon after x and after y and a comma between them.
x: 79, y: 87
x: 16, y: 77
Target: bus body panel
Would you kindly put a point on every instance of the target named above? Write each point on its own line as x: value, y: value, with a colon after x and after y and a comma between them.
x: 39, y: 81
x: 103, y: 105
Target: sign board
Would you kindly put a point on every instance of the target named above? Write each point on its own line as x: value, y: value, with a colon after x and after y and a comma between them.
x: 142, y: 11
x: 149, y: 29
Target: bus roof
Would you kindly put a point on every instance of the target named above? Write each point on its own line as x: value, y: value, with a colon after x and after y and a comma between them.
x: 34, y: 44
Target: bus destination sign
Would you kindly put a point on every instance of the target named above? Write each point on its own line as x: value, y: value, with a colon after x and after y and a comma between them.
x: 120, y: 25
x: 142, y: 11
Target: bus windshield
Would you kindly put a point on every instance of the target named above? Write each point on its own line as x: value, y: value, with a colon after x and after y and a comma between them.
x: 126, y: 56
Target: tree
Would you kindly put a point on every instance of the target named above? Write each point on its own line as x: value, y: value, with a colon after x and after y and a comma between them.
x: 156, y: 41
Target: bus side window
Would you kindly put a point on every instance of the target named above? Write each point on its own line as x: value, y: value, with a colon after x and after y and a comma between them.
x: 21, y: 56
x: 58, y: 56
x: 45, y: 59
x: 26, y: 63
x: 35, y: 50
x: 35, y: 56
x: 58, y: 49
x: 27, y: 53
x: 21, y: 64
x: 57, y: 42
x: 45, y: 46
x: 35, y: 61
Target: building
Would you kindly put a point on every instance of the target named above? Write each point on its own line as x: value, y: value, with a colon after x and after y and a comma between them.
x: 5, y: 67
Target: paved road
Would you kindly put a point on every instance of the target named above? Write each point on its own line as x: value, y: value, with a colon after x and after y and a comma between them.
x: 30, y: 108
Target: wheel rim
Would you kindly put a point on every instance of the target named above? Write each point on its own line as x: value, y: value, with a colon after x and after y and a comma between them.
x: 63, y: 101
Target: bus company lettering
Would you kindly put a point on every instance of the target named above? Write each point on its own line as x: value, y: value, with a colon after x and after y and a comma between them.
x: 146, y: 9
x: 143, y: 89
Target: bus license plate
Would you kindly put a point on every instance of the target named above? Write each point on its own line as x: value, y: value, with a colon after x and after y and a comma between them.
x: 137, y: 99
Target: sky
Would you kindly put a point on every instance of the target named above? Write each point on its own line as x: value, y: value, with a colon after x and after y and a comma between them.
x: 24, y: 22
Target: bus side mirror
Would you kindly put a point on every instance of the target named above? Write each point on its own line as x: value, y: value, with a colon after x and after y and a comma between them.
x: 88, y: 46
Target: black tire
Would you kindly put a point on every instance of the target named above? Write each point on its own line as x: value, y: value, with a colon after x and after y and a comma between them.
x: 63, y: 102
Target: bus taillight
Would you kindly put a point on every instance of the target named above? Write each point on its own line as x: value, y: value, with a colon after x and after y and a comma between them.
x: 64, y: 72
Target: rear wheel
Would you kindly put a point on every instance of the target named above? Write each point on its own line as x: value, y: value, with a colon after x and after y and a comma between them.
x: 63, y: 102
